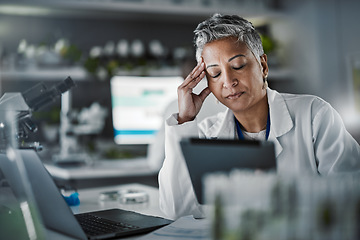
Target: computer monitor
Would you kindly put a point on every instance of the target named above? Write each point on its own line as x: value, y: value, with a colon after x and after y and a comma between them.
x: 138, y: 104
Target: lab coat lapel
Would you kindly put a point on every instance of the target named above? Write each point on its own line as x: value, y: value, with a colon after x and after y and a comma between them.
x: 225, y: 128
x: 280, y: 119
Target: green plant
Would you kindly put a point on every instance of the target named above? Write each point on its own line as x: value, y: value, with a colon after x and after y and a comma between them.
x: 268, y: 43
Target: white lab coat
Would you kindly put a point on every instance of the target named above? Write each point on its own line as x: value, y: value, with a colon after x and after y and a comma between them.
x: 308, y: 134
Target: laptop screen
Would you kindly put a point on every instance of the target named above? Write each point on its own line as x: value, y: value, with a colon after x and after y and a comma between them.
x: 138, y: 104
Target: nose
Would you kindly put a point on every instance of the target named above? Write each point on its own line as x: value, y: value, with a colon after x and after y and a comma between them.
x: 230, y: 81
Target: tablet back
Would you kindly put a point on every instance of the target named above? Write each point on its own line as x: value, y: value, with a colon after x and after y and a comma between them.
x: 218, y: 155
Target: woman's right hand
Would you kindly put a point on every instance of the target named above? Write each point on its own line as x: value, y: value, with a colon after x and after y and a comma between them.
x: 189, y: 102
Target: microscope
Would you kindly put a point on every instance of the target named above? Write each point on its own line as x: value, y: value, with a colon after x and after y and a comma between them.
x: 22, y: 105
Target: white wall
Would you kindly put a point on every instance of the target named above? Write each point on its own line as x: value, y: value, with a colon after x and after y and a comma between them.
x: 319, y: 37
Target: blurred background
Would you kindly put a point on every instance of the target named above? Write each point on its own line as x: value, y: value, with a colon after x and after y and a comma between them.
x: 127, y: 57
x: 312, y: 46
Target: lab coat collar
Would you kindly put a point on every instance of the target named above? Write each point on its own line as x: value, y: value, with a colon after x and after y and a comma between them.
x: 224, y: 128
x: 280, y: 118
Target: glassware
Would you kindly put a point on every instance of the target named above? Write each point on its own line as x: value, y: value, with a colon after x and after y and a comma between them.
x: 246, y: 205
x: 19, y: 216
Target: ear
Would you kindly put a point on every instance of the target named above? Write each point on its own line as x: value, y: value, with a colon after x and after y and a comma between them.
x: 264, y: 65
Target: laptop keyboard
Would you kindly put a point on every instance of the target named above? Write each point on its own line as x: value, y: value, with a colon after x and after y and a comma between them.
x: 94, y: 225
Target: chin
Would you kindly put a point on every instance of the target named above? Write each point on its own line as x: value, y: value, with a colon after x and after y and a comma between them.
x: 236, y: 108
x: 239, y: 106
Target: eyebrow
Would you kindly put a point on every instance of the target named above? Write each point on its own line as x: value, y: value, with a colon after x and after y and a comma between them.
x: 232, y: 58
x: 212, y: 65
x: 239, y: 55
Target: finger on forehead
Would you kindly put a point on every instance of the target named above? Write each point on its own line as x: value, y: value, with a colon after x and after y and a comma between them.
x: 197, y: 70
x: 192, y: 76
x: 196, y: 78
x: 196, y: 81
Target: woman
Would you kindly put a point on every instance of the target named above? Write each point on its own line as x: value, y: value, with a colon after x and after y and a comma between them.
x: 307, y: 132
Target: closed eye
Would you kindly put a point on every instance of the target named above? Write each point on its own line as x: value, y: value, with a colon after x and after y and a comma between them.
x: 238, y: 68
x: 215, y: 76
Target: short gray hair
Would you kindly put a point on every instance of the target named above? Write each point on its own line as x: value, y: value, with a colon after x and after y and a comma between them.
x: 223, y: 26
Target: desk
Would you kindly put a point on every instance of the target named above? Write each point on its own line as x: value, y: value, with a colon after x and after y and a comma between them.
x: 184, y: 228
x: 89, y: 200
x: 102, y: 173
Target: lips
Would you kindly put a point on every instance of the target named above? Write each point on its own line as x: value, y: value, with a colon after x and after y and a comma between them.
x: 235, y: 95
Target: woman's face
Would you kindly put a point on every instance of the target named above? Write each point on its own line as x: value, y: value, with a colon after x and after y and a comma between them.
x: 234, y: 75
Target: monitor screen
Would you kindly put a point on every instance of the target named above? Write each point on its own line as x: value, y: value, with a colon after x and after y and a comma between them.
x: 138, y: 104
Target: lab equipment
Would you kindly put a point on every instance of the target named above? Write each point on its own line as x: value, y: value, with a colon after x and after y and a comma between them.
x: 283, y: 206
x: 72, y: 199
x: 125, y: 196
x: 19, y: 216
x: 24, y: 104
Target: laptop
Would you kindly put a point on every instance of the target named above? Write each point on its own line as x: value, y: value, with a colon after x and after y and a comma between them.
x: 204, y: 156
x: 57, y: 216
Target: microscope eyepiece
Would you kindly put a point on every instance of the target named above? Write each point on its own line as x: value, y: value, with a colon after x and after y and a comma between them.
x: 39, y: 96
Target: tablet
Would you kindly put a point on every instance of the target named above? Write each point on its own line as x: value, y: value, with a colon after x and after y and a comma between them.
x: 222, y: 155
